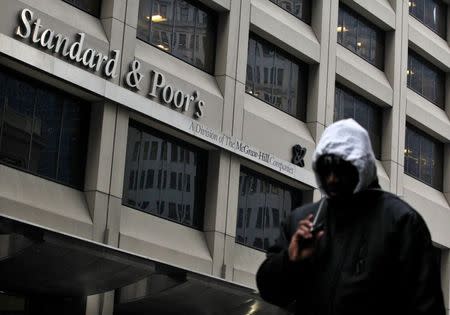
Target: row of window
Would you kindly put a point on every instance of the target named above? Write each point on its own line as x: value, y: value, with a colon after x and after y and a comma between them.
x: 43, y: 131
x: 187, y: 30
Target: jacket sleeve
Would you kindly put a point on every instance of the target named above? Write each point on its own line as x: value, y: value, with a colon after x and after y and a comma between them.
x: 420, y: 268
x: 277, y: 277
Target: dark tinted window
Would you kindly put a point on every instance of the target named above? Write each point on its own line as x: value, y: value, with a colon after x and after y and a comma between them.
x: 360, y: 36
x: 432, y: 13
x: 42, y: 130
x: 167, y: 180
x: 276, y: 77
x: 89, y: 6
x: 299, y: 8
x: 184, y: 29
x: 263, y: 203
x: 423, y: 157
x: 350, y: 105
x: 426, y: 79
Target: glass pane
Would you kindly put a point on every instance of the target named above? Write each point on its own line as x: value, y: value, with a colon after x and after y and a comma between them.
x: 90, y: 6
x: 3, y: 83
x: 437, y: 165
x: 429, y: 79
x: 250, y: 66
x: 431, y: 15
x: 296, y: 85
x: 72, y: 148
x: 426, y: 156
x: 204, y: 42
x: 361, y: 114
x: 415, y: 74
x: 17, y: 123
x: 184, y: 30
x: 363, y: 41
x: 416, y: 8
x: 340, y: 27
x: 349, y: 31
x: 162, y: 24
x: 302, y: 9
x: 144, y: 20
x: 378, y: 43
x: 46, y: 133
x: 412, y: 153
x: 282, y: 83
x: 274, y: 202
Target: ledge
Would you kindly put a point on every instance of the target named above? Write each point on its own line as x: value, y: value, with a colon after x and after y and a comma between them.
x: 284, y: 30
x: 362, y: 77
x: 433, y: 207
x: 246, y: 264
x: 429, y: 44
x: 428, y: 116
x: 164, y: 240
x: 40, y: 201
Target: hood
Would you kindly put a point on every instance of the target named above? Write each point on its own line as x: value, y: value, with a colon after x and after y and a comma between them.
x: 351, y: 142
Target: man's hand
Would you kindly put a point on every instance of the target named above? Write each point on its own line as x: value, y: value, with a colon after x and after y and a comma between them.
x: 303, y: 235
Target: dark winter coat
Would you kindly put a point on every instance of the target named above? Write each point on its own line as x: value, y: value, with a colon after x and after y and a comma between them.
x: 376, y: 258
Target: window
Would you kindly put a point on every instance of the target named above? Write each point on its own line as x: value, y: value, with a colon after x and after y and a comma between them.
x: 423, y: 157
x: 42, y: 130
x: 432, y: 13
x: 90, y: 6
x: 426, y: 79
x: 171, y: 185
x: 263, y: 203
x: 184, y: 29
x: 350, y: 105
x: 276, y: 78
x: 299, y: 8
x: 360, y: 36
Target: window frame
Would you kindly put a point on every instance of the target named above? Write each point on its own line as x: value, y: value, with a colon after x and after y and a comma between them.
x: 94, y: 14
x: 306, y: 19
x: 302, y: 97
x: 424, y: 62
x: 378, y: 31
x: 202, y: 164
x: 214, y: 17
x: 84, y: 150
x: 434, y: 142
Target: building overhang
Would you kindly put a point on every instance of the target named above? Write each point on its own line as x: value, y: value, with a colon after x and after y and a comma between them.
x: 37, y: 261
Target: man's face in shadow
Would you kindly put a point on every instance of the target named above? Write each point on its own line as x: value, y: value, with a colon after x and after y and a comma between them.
x: 339, y: 178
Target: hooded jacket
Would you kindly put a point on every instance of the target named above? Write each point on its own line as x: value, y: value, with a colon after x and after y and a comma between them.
x: 376, y: 256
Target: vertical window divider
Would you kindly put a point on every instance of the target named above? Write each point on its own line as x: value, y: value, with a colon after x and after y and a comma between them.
x: 195, y: 34
x: 2, y: 122
x: 272, y: 75
x: 290, y: 86
x: 60, y: 138
x: 32, y: 128
x: 150, y: 24
x: 173, y: 24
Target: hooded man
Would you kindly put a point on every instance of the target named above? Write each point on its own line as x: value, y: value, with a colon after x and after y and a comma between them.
x: 368, y: 252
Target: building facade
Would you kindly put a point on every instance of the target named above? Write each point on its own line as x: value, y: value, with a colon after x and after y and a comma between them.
x: 183, y: 131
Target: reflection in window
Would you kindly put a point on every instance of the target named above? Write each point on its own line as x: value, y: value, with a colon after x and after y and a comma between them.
x: 432, y: 13
x: 299, y: 8
x: 360, y: 36
x: 42, y: 130
x: 184, y: 29
x: 276, y: 78
x: 426, y: 79
x: 350, y: 105
x: 423, y: 157
x: 263, y: 203
x: 90, y: 6
x: 173, y: 187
